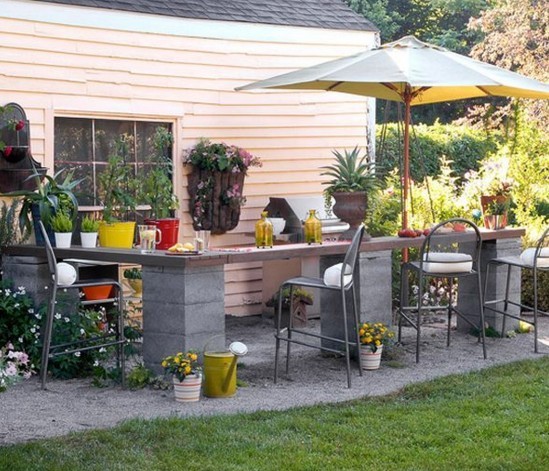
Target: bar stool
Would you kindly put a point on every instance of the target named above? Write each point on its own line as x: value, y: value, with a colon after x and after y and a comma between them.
x: 439, y: 258
x: 343, y: 282
x: 97, y: 342
x: 535, y: 259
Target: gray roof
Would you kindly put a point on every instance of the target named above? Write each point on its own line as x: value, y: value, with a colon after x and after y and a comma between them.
x: 331, y: 14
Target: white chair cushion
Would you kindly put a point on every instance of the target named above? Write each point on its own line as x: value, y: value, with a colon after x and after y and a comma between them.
x: 66, y: 274
x: 447, y: 262
x: 527, y: 257
x: 332, y: 275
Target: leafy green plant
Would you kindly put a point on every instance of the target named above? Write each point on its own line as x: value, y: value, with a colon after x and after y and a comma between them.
x: 157, y: 186
x: 350, y: 173
x: 133, y: 273
x: 89, y: 224
x: 139, y: 377
x: 497, y: 208
x: 50, y: 196
x: 9, y: 230
x: 61, y: 222
x: 117, y: 185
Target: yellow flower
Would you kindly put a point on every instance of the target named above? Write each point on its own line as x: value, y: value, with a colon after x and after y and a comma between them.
x: 361, y: 332
x: 177, y: 360
x: 164, y: 364
x: 193, y: 356
x: 187, y: 370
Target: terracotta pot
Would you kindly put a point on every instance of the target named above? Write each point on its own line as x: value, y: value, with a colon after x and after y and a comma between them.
x: 351, y: 208
x: 95, y: 293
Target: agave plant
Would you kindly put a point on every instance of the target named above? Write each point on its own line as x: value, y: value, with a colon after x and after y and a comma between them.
x: 351, y: 173
x: 49, y: 197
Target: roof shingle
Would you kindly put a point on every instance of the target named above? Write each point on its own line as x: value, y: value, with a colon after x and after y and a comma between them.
x: 330, y: 14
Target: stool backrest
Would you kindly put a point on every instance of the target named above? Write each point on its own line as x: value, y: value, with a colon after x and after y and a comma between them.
x: 445, y: 239
x: 52, y: 261
x: 351, y: 256
x: 541, y: 256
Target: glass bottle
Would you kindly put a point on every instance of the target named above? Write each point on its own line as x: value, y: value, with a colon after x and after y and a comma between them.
x: 264, y: 232
x: 313, y: 229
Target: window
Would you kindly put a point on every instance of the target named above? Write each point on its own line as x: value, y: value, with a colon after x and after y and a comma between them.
x: 86, y: 144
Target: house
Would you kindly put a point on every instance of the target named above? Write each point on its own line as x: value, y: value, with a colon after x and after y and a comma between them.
x: 78, y: 66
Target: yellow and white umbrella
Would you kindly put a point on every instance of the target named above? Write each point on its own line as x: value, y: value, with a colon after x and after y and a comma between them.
x: 411, y: 72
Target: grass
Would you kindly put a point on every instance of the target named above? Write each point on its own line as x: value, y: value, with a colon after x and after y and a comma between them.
x: 495, y: 419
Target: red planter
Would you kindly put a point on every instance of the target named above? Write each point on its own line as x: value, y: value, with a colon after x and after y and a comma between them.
x: 169, y: 228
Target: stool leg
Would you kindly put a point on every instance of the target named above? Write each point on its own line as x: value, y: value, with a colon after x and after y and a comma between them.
x: 47, y: 334
x: 277, y: 336
x: 418, y: 322
x: 481, y: 307
x: 450, y: 308
x: 535, y: 275
x: 357, y: 335
x: 506, y: 300
x: 121, y: 337
x: 290, y: 327
x: 346, y: 337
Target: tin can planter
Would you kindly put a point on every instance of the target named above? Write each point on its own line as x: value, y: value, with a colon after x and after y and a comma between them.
x: 370, y: 360
x: 187, y: 390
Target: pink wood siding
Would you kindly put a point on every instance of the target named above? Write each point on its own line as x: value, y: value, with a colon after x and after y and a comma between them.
x: 62, y: 70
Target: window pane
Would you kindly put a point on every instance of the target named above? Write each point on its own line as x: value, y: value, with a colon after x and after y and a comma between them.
x: 73, y: 141
x: 107, y: 133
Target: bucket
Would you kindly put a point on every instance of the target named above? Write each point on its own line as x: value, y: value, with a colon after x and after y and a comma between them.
x: 116, y: 234
x: 220, y: 370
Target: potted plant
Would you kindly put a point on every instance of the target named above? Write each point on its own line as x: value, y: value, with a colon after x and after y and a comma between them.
x: 353, y: 177
x: 216, y: 183
x: 157, y: 190
x: 301, y: 299
x: 373, y: 336
x: 117, y: 191
x: 89, y: 229
x: 495, y: 214
x: 49, y: 197
x: 187, y: 377
x: 135, y: 279
x: 62, y: 226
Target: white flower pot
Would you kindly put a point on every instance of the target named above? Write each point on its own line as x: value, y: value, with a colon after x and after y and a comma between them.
x: 63, y: 240
x: 187, y: 390
x: 370, y: 360
x: 88, y: 239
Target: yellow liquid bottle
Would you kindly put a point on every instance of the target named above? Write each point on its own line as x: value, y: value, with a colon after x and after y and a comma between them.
x: 263, y: 232
x: 313, y: 229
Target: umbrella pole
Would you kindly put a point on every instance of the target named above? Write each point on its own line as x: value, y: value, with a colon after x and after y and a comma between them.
x: 406, y: 169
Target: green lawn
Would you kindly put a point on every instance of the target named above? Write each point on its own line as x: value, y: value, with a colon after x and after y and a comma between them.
x: 496, y: 419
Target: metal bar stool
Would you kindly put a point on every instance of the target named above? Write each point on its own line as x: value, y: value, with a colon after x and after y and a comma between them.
x: 109, y: 339
x: 344, y: 283
x: 439, y: 258
x: 535, y: 259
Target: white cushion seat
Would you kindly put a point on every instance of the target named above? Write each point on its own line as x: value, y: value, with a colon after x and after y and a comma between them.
x: 332, y: 275
x: 527, y: 257
x: 447, y: 262
x: 66, y: 274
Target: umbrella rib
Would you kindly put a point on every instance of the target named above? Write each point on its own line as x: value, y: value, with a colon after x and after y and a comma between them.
x: 331, y: 87
x: 484, y: 90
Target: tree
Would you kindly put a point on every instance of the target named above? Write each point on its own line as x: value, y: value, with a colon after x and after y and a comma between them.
x: 516, y: 38
x: 378, y: 13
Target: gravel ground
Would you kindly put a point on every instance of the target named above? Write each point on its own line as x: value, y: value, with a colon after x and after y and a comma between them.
x: 28, y: 413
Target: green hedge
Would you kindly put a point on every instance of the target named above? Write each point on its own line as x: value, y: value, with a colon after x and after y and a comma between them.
x: 464, y: 146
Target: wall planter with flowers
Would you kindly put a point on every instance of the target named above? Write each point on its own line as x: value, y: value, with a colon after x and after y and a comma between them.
x: 16, y: 162
x: 216, y: 184
x: 373, y: 336
x: 187, y: 376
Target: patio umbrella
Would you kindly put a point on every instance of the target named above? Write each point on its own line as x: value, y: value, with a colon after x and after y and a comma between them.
x: 411, y: 72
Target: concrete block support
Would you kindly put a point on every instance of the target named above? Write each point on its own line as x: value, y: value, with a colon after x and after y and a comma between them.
x: 373, y: 293
x: 183, y: 308
x: 467, y: 297
x: 30, y: 272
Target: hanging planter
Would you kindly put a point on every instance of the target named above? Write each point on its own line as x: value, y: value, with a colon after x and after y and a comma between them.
x: 216, y: 183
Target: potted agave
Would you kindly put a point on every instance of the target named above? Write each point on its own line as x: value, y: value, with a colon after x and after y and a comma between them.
x: 353, y: 178
x: 157, y: 190
x: 187, y: 377
x: 373, y: 336
x: 89, y: 228
x: 134, y: 277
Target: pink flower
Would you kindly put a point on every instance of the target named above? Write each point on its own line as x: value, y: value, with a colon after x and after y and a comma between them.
x: 7, y: 151
x: 20, y: 125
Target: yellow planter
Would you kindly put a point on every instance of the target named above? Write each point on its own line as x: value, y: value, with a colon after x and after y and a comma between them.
x: 117, y: 234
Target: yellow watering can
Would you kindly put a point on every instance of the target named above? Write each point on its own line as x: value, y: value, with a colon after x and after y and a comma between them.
x: 220, y: 370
